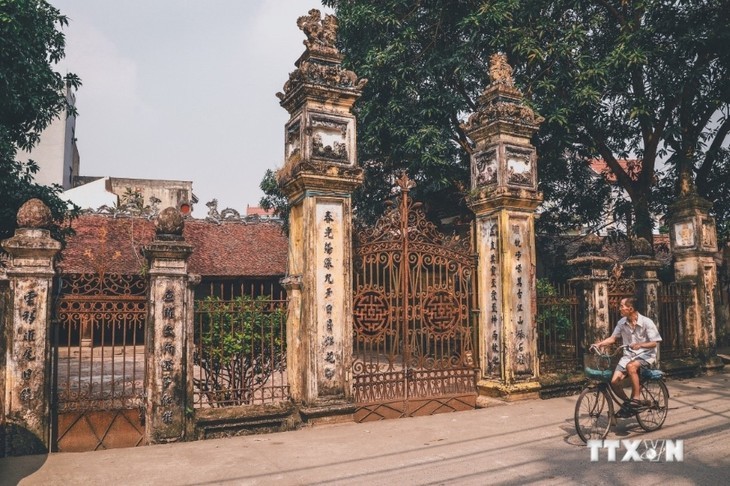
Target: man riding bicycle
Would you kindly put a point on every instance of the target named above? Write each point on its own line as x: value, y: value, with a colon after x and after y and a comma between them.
x: 640, y: 336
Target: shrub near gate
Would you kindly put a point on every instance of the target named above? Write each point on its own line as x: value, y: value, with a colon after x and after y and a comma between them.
x: 553, y: 317
x: 239, y: 345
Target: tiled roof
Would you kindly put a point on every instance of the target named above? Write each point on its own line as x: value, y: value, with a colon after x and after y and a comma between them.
x: 631, y: 166
x: 230, y: 249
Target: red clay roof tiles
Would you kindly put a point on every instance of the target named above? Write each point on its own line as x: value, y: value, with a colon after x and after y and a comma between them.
x: 113, y: 245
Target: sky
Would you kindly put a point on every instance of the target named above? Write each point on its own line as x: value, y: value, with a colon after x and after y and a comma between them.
x: 183, y: 90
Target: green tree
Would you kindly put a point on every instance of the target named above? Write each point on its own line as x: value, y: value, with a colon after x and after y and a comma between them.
x: 32, y: 95
x: 274, y: 198
x: 614, y: 79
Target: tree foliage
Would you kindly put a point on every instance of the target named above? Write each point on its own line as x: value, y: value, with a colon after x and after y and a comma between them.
x: 32, y: 95
x: 241, y: 343
x: 614, y: 80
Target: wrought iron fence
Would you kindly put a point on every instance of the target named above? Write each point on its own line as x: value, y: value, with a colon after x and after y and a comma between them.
x: 240, y: 351
x: 673, y: 299
x: 558, y: 329
x: 230, y: 289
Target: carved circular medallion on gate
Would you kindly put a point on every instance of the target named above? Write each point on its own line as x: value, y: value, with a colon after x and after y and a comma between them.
x: 371, y: 313
x: 441, y: 312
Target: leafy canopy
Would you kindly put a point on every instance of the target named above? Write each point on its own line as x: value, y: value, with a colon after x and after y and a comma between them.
x: 614, y: 80
x: 32, y: 95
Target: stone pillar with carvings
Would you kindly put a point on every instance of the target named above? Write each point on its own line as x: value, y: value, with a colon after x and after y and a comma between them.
x: 693, y: 239
x: 504, y: 197
x: 169, y: 336
x: 319, y: 175
x: 26, y: 402
x: 641, y: 267
x: 591, y: 284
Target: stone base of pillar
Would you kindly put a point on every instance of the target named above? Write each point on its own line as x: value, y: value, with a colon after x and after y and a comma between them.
x: 328, y: 412
x: 514, y: 392
x: 681, y: 367
x: 713, y: 365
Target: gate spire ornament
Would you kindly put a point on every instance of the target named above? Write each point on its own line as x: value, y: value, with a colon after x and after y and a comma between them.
x: 504, y: 197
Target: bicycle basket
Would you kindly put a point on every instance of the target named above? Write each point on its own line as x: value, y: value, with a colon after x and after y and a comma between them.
x: 599, y: 367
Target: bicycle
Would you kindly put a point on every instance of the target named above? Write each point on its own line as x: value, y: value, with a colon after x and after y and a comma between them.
x: 594, y: 413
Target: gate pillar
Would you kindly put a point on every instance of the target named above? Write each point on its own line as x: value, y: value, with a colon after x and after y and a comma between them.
x: 504, y: 197
x: 591, y: 285
x: 693, y: 239
x: 26, y: 401
x: 169, y: 332
x: 319, y: 175
x: 642, y: 267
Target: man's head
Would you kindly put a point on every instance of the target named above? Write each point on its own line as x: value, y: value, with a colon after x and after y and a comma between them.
x: 627, y: 307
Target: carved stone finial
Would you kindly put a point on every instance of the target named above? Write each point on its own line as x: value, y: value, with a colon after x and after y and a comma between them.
x: 500, y: 72
x: 640, y: 247
x: 34, y: 214
x: 592, y: 244
x: 170, y: 222
x: 321, y: 33
x: 320, y: 64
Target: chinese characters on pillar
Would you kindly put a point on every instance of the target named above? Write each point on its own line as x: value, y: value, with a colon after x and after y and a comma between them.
x: 520, y: 308
x: 168, y: 354
x: 330, y: 282
x: 494, y: 307
x: 27, y: 350
x: 522, y: 292
x: 328, y: 341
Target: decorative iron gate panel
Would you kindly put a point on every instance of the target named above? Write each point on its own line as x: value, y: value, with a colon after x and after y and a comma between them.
x: 99, y: 362
x: 413, y: 342
x: 619, y: 288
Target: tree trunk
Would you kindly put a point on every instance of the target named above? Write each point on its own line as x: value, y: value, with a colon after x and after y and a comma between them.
x: 643, y: 224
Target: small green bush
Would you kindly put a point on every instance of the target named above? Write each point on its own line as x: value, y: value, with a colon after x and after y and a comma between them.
x: 240, y: 344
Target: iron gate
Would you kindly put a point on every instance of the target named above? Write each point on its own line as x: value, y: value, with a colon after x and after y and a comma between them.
x: 619, y: 287
x: 413, y: 293
x: 99, y: 362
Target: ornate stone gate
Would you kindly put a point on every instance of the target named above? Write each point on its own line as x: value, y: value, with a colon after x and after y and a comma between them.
x: 413, y: 298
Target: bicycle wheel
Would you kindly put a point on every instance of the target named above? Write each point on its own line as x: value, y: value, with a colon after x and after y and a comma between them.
x: 656, y: 394
x: 593, y: 413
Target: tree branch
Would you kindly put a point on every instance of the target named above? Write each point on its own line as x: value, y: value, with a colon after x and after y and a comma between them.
x: 462, y: 139
x: 703, y: 172
x: 613, y: 11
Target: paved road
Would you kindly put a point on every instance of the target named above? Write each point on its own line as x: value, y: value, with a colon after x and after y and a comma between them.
x: 516, y: 443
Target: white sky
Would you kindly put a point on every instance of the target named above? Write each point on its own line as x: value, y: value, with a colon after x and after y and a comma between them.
x: 183, y: 89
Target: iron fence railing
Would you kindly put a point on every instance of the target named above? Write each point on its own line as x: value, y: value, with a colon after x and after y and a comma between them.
x: 558, y: 330
x: 239, y: 351
x: 673, y: 300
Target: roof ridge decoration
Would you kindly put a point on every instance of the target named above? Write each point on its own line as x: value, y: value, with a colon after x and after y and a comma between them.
x: 231, y: 215
x: 227, y: 215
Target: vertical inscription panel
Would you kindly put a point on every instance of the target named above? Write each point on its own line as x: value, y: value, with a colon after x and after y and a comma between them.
x: 520, y: 265
x: 330, y: 277
x: 168, y: 390
x: 26, y: 393
x: 491, y: 300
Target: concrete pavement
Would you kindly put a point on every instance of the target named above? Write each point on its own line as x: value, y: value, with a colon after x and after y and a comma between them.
x: 514, y: 443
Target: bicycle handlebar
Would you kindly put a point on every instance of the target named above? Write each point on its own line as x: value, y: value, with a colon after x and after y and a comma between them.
x: 597, y: 350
